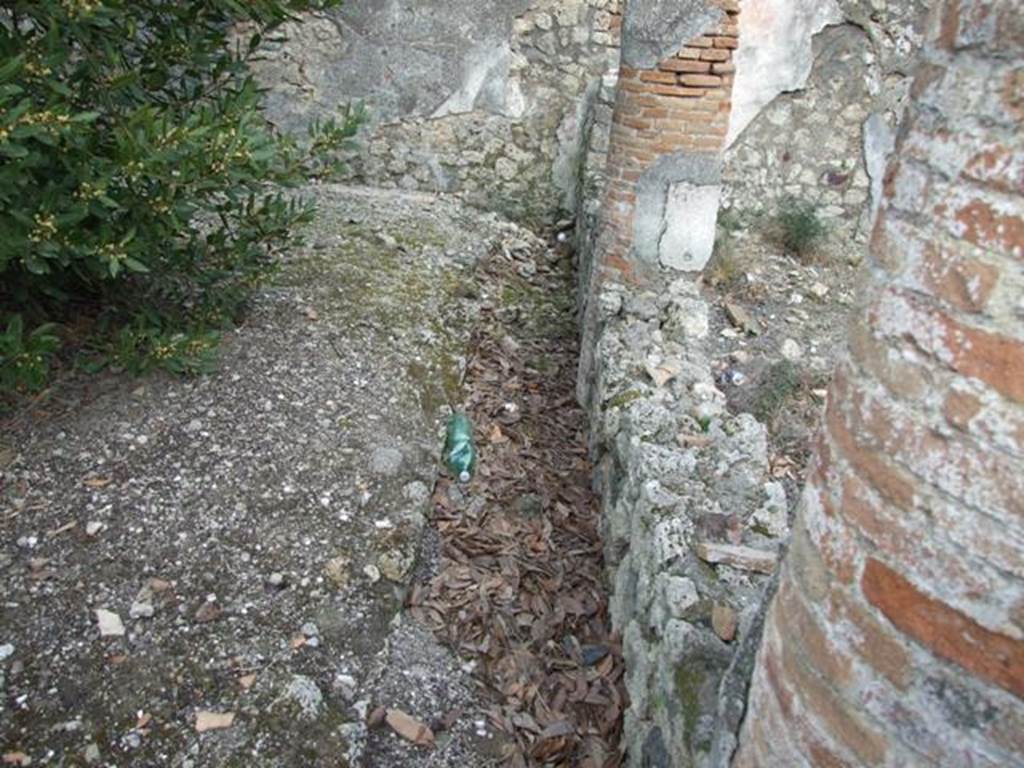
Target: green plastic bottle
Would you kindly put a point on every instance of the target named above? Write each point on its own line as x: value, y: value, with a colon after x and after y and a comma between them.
x: 459, y: 451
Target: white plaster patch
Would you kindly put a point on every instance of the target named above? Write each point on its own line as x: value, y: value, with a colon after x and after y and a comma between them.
x: 775, y: 53
x: 486, y: 72
x: 879, y: 142
x: 688, y: 237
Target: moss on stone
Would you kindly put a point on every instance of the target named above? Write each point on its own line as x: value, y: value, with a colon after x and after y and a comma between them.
x: 623, y: 399
x: 689, y: 680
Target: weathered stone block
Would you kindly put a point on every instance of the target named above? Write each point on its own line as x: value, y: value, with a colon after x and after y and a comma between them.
x: 691, y: 211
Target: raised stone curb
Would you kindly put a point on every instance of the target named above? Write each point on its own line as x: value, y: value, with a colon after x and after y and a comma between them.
x: 688, y: 513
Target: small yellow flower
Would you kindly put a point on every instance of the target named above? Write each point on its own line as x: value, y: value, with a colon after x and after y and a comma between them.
x: 81, y: 7
x: 45, y: 228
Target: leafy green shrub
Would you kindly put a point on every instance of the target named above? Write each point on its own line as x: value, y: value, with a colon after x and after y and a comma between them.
x: 799, y: 230
x: 24, y: 358
x: 139, y: 183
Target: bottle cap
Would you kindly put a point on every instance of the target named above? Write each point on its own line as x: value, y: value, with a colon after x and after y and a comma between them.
x: 464, y: 477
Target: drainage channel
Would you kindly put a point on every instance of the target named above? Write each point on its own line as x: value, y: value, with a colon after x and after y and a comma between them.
x: 519, y: 589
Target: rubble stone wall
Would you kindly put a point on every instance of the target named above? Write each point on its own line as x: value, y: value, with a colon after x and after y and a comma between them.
x: 691, y: 521
x: 483, y: 98
x: 821, y: 89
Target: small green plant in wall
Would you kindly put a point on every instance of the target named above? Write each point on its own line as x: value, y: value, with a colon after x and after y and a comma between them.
x: 798, y: 227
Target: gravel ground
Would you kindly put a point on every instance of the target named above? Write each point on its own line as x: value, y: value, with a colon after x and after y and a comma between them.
x: 778, y: 325
x: 208, y: 572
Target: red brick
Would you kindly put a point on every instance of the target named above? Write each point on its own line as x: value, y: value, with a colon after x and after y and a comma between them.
x: 702, y: 128
x: 707, y: 143
x: 658, y: 77
x: 794, y: 727
x: 984, y: 479
x: 835, y: 544
x: 700, y: 42
x: 987, y: 227
x: 715, y: 54
x: 687, y: 109
x: 675, y: 90
x: 966, y: 284
x: 904, y: 377
x: 876, y: 645
x: 835, y: 716
x: 655, y: 113
x: 771, y: 732
x: 804, y: 629
x: 627, y: 87
x: 726, y: 42
x: 640, y: 100
x: 945, y: 631
x: 990, y: 163
x: 635, y: 123
x: 689, y: 53
x: 723, y: 69
x: 879, y: 523
x: 701, y: 81
x: 893, y: 483
x: 996, y: 359
x: 685, y: 65
x: 950, y: 24
x: 999, y: 166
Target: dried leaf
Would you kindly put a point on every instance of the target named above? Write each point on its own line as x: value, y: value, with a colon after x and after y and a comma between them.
x: 208, y: 612
x: 409, y: 728
x: 214, y: 721
x: 246, y: 681
x: 16, y: 758
x: 509, y: 587
x: 144, y: 719
x: 97, y: 482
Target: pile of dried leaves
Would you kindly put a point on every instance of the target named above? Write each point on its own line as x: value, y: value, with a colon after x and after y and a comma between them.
x: 520, y: 586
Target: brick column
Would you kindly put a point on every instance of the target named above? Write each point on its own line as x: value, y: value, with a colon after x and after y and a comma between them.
x: 668, y: 130
x: 660, y: 199
x: 897, y: 634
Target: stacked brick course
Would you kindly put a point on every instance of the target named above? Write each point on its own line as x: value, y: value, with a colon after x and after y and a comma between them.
x: 897, y: 635
x: 680, y: 105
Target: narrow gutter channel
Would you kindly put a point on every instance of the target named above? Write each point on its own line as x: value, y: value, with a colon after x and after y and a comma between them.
x: 520, y: 583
